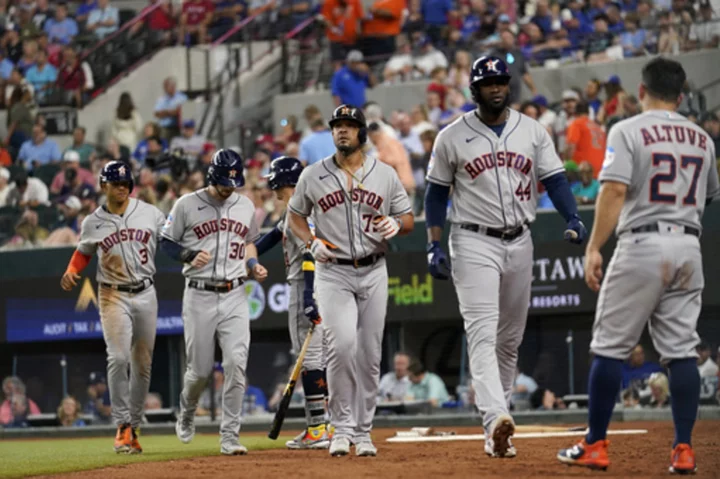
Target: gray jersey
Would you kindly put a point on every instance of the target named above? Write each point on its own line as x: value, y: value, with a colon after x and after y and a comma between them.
x: 669, y: 166
x: 494, y: 178
x: 125, y: 244
x: 293, y: 249
x: 344, y: 217
x: 199, y: 222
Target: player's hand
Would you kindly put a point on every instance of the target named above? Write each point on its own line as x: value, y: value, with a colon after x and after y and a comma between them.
x: 259, y: 272
x: 69, y: 281
x: 387, y: 226
x: 310, y: 307
x: 320, y: 252
x: 593, y: 269
x: 438, y: 263
x: 576, y: 232
x: 200, y: 260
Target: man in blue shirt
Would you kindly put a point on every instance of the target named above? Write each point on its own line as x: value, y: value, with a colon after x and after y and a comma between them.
x: 61, y: 29
x: 435, y: 14
x: 348, y: 83
x: 318, y: 144
x: 98, y: 404
x: 42, y: 76
x: 6, y: 66
x: 83, y: 10
x: 39, y: 150
x: 104, y: 20
x: 168, y: 108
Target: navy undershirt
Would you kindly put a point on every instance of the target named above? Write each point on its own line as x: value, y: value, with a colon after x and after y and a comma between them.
x: 498, y: 129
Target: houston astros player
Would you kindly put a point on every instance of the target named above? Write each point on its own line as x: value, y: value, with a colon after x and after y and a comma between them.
x: 302, y: 309
x: 493, y: 157
x: 658, y: 175
x: 124, y: 234
x: 212, y: 231
x: 358, y: 204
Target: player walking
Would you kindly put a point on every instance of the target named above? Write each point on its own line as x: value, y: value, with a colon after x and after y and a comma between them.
x: 658, y: 175
x: 212, y: 231
x: 493, y: 157
x: 358, y: 204
x: 124, y: 234
x: 302, y: 310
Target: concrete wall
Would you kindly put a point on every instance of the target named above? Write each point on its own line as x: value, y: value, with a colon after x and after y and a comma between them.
x: 702, y: 67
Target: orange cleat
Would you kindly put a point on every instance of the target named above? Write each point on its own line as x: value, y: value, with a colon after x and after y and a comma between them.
x: 135, y: 447
x: 123, y: 439
x: 682, y: 460
x: 593, y: 456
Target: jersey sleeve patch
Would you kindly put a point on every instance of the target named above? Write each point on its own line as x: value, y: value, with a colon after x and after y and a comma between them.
x: 609, y: 157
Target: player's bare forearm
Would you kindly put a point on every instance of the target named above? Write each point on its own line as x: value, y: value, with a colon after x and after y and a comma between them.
x: 607, y: 211
x: 407, y: 222
x: 434, y: 233
x: 251, y: 251
x: 299, y: 226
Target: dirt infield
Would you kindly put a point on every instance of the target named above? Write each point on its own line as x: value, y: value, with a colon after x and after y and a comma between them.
x: 631, y: 456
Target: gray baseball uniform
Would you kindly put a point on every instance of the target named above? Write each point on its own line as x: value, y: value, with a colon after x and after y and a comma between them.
x: 352, y: 299
x: 495, y: 186
x: 668, y: 164
x: 126, y: 248
x: 223, y: 229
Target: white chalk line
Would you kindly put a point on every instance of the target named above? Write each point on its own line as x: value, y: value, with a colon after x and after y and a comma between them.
x: 520, y: 435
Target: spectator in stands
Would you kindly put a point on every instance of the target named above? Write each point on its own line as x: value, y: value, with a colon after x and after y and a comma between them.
x: 168, y: 108
x: 18, y: 412
x: 4, y: 185
x: 146, y: 186
x: 6, y: 67
x: 546, y: 116
x: 435, y: 14
x: 631, y: 399
x: 545, y: 400
x: 289, y: 132
x: 374, y: 113
x: 668, y: 41
x: 633, y: 38
x: 42, y: 76
x: 421, y: 120
x: 28, y: 29
x: 341, y: 19
x: 413, y: 21
x: 161, y: 19
x: 127, y: 124
x: 693, y: 101
x: 456, y: 106
x: 587, y: 189
x: 426, y: 386
x: 88, y: 198
x: 435, y: 102
x: 71, y: 161
x: 12, y: 386
x: 62, y: 28
x: 98, y: 404
x: 592, y: 97
x: 427, y: 57
x: 28, y: 232
x: 226, y: 13
x: 150, y: 130
x: 599, y: 40
x: 585, y: 141
x: 39, y: 150
x: 410, y: 140
x: 153, y: 402
x: 459, y: 73
x: 530, y: 109
x: 72, y: 76
x: 711, y: 124
x: 400, y: 66
x: 523, y: 387
x: 349, y: 83
x: 194, y: 21
x: 394, y: 385
x: 706, y: 366
x: 570, y: 99
x: 705, y: 33
x: 29, y: 56
x: 636, y: 371
x: 82, y: 12
x: 380, y: 26
x: 68, y: 413
x: 104, y: 19
x: 189, y: 141
x: 543, y: 18
x: 614, y: 100
x: 27, y: 192
x: 83, y: 149
x: 12, y: 45
x: 659, y: 390
x: 391, y: 152
x: 318, y: 144
x: 19, y: 120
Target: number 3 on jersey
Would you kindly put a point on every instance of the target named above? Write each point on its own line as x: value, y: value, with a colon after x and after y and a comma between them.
x: 658, y: 159
x: 237, y: 250
x: 523, y: 193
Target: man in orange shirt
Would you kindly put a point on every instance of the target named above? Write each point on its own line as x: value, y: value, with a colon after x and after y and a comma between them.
x: 585, y: 140
x: 341, y: 19
x: 391, y: 152
x: 379, y: 29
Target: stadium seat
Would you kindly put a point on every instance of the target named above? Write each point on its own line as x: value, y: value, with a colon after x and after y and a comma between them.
x: 8, y: 219
x: 15, y: 170
x: 119, y: 61
x: 126, y: 14
x: 135, y: 49
x: 46, y: 173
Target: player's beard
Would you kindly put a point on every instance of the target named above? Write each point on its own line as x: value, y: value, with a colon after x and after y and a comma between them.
x: 493, y: 110
x: 348, y: 149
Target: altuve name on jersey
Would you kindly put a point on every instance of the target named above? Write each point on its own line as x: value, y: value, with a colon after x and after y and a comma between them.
x: 359, y: 195
x: 225, y: 224
x: 129, y: 234
x: 673, y: 134
x: 501, y: 159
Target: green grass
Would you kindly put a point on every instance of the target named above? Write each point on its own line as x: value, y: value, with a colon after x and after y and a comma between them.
x: 53, y: 456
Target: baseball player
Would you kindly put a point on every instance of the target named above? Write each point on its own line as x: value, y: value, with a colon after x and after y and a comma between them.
x: 302, y: 310
x: 493, y: 157
x: 124, y: 234
x: 658, y: 175
x: 212, y: 231
x: 358, y: 204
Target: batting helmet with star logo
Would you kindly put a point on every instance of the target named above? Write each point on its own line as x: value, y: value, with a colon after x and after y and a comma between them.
x: 226, y: 169
x: 116, y: 172
x: 350, y: 113
x: 489, y: 67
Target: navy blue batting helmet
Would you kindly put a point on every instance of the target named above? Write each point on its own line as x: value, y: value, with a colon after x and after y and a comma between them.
x: 284, y: 171
x: 117, y: 171
x: 226, y: 169
x: 489, y: 67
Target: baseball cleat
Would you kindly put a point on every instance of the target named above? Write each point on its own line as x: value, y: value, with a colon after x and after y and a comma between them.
x: 340, y: 446
x: 135, y: 447
x: 185, y: 429
x: 233, y: 449
x: 682, y: 460
x: 365, y: 449
x: 312, y: 438
x: 490, y: 449
x: 123, y: 439
x: 593, y: 456
x: 503, y: 428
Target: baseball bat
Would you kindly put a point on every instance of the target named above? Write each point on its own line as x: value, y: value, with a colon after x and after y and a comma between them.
x: 289, y: 388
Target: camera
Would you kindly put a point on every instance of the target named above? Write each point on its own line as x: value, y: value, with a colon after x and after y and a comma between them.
x: 174, y: 160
